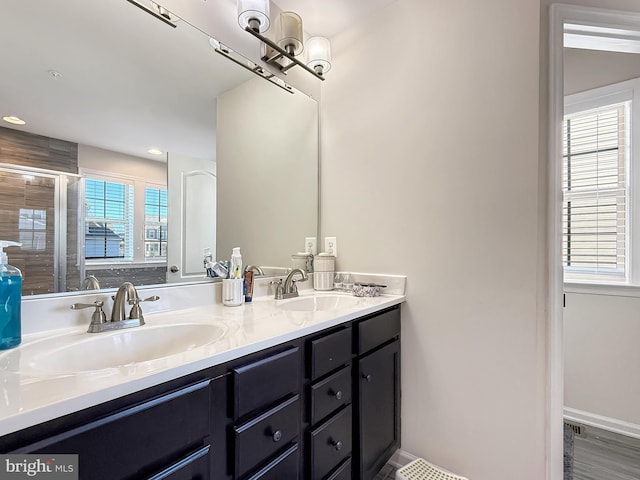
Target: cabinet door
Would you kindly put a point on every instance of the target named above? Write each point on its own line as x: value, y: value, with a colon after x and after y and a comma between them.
x: 378, y: 408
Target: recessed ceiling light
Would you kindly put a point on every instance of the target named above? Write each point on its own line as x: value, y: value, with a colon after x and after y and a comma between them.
x: 14, y: 120
x: 55, y: 74
x: 155, y: 151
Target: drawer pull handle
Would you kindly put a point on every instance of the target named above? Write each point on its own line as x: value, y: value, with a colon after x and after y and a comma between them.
x: 277, y: 435
x: 337, y: 445
x: 337, y: 395
x: 368, y: 378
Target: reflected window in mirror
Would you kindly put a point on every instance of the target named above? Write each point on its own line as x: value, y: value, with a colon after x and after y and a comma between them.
x: 597, y: 158
x: 108, y: 224
x: 155, y: 223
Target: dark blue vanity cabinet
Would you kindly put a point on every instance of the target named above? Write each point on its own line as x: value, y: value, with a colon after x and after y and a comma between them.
x: 171, y: 431
x: 377, y: 387
x: 322, y: 407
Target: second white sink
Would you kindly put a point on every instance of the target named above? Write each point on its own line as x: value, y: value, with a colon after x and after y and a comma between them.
x: 318, y: 303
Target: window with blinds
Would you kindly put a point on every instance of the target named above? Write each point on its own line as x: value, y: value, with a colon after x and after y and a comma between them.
x: 595, y: 206
x: 108, y: 219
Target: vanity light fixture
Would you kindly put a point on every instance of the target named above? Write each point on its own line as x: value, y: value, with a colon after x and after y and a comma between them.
x: 156, y: 11
x: 248, y: 65
x: 253, y: 17
x: 290, y: 36
x: 319, y: 54
x: 14, y: 120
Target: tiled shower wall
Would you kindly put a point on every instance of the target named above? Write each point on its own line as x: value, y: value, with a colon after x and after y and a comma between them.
x: 17, y: 191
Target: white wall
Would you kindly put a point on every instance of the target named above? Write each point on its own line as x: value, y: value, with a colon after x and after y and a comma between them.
x: 430, y: 132
x: 602, y: 356
x: 588, y: 69
x: 94, y: 158
x: 267, y: 151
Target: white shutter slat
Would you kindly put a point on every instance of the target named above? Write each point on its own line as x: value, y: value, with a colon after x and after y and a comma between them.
x: 595, y: 192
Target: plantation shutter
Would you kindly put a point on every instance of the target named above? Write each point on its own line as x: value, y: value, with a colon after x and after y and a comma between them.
x: 595, y: 146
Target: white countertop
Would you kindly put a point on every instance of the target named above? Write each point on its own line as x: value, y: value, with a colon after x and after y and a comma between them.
x: 29, y: 396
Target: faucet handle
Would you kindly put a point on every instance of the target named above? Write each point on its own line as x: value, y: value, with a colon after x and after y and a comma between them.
x: 279, y: 288
x: 136, y: 311
x: 98, y: 316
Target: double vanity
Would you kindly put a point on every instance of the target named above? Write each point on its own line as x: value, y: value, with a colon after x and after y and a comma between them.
x: 307, y: 388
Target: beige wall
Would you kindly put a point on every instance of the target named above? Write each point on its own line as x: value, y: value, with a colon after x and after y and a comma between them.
x: 602, y: 356
x: 430, y: 127
x: 588, y: 69
x: 94, y: 158
x: 267, y: 151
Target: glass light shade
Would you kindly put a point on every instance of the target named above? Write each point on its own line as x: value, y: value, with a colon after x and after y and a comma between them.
x: 290, y: 34
x: 319, y: 54
x: 254, y: 14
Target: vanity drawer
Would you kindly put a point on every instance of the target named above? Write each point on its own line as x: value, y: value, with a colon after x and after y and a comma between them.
x: 343, y: 472
x: 330, y: 352
x: 285, y: 466
x: 330, y: 394
x: 263, y: 436
x: 139, y: 440
x: 377, y: 330
x: 194, y: 466
x: 260, y: 384
x: 330, y: 443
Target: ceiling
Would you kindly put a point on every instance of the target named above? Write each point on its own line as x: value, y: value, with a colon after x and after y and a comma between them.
x: 328, y: 17
x: 128, y: 81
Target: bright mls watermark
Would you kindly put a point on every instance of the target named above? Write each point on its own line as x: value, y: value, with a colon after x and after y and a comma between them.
x: 51, y: 467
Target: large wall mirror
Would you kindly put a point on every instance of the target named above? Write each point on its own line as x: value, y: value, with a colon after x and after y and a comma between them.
x: 143, y: 147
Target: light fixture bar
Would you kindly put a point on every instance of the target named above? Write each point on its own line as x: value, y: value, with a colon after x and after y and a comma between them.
x: 283, y: 53
x: 259, y: 71
x: 151, y: 12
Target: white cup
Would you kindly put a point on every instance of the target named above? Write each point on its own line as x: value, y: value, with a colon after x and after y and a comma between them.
x: 232, y: 292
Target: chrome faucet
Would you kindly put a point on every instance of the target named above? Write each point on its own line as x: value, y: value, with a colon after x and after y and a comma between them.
x: 290, y: 289
x: 127, y: 293
x: 255, y: 268
x: 90, y: 283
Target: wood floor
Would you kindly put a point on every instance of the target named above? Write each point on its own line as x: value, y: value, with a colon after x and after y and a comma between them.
x: 603, y: 455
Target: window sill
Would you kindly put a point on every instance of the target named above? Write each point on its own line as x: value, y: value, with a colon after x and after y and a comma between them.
x: 123, y: 265
x: 617, y: 290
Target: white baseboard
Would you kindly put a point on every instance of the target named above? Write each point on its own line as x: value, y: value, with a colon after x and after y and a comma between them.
x: 605, y: 423
x: 401, y: 458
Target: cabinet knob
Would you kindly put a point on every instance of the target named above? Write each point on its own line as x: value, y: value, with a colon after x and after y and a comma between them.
x: 277, y: 435
x: 337, y: 395
x: 337, y: 445
x: 368, y: 378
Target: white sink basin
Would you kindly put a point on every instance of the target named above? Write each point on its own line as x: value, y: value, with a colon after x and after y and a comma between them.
x: 318, y: 303
x: 99, y: 351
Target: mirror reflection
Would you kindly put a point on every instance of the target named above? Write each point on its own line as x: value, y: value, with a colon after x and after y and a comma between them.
x: 141, y: 148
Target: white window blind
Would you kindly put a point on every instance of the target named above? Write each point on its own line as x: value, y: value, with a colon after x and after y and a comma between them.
x: 595, y: 225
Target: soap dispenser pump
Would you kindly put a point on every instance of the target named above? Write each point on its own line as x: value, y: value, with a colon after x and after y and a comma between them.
x: 10, y: 298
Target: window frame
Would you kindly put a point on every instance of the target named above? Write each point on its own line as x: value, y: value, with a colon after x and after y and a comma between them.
x: 138, y: 224
x: 597, y: 98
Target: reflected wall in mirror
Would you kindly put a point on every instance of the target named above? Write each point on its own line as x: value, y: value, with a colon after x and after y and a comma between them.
x: 77, y: 184
x: 600, y: 155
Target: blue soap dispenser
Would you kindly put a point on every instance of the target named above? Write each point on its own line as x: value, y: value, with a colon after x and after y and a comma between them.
x: 10, y: 298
